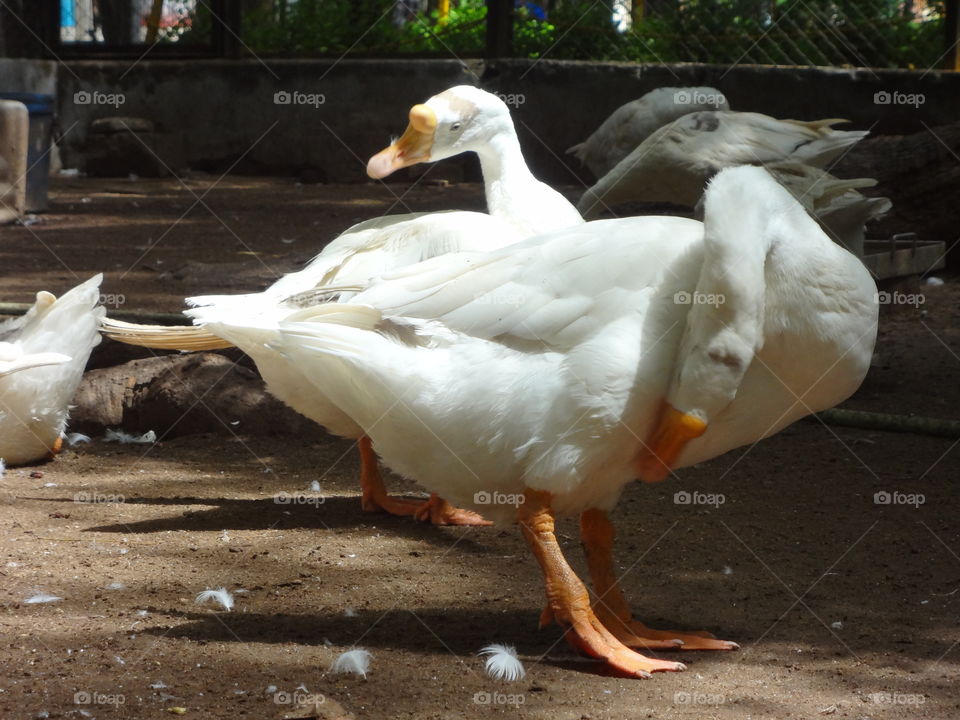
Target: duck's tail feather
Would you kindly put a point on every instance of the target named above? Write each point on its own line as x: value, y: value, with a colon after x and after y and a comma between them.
x: 163, y: 337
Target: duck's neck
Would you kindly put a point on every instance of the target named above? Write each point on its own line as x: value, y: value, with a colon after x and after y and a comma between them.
x: 507, y: 179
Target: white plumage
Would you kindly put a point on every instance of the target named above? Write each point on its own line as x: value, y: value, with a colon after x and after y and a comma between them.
x: 42, y: 358
x: 502, y: 662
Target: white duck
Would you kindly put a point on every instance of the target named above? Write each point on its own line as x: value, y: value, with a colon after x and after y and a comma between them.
x: 631, y: 124
x: 42, y: 357
x: 538, y: 380
x: 675, y: 162
x: 461, y: 119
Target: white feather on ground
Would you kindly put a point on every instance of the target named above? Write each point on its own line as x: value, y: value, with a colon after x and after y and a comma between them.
x: 126, y: 438
x: 221, y: 595
x: 502, y: 662
x: 355, y: 661
x: 42, y: 597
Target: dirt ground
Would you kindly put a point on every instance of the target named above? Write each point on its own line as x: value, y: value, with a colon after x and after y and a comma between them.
x: 844, y: 607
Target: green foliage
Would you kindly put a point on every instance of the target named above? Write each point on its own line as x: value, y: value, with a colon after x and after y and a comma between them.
x: 877, y: 33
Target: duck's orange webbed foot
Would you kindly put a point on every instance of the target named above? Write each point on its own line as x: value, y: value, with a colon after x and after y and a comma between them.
x: 568, y: 602
x: 374, y: 497
x: 438, y: 511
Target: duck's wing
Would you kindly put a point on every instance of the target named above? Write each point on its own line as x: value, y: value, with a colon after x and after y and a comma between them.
x: 553, y: 290
x: 12, y: 361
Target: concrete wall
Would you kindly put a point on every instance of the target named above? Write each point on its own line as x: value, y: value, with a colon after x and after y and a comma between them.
x: 217, y: 114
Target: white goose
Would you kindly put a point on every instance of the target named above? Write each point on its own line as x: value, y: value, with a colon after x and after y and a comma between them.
x: 632, y: 123
x: 461, y: 119
x: 42, y: 357
x: 675, y: 162
x: 546, y: 376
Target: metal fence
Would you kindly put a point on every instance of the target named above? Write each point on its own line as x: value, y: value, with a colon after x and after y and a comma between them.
x: 863, y: 33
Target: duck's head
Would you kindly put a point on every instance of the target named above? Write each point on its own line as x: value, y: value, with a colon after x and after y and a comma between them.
x: 457, y: 120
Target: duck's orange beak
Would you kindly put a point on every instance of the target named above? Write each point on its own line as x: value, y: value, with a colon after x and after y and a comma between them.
x: 413, y: 146
x: 673, y: 431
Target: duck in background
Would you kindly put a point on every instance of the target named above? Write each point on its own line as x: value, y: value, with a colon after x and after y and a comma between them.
x: 632, y: 123
x: 461, y: 119
x: 674, y: 164
x: 42, y: 357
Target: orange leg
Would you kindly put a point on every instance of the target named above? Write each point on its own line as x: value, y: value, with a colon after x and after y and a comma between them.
x: 374, y: 497
x: 610, y: 606
x: 568, y: 601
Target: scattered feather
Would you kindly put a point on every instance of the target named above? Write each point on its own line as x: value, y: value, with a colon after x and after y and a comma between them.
x: 159, y: 685
x: 503, y: 663
x: 352, y: 661
x: 126, y: 438
x: 271, y: 689
x: 221, y: 595
x: 114, y: 586
x: 935, y: 281
x: 76, y: 439
x: 838, y: 625
x: 42, y: 598
x: 119, y: 659
x: 727, y: 570
x: 349, y: 612
x: 3, y: 467
x: 315, y: 486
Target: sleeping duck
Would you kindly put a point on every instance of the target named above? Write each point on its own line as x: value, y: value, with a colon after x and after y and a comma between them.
x: 675, y: 162
x: 631, y: 124
x: 461, y: 119
x: 536, y: 381
x: 42, y: 357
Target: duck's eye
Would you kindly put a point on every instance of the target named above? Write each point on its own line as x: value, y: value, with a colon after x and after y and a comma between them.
x: 455, y: 127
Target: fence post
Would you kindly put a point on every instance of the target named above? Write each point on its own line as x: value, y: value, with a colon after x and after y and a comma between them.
x: 499, y: 29
x: 226, y: 27
x: 951, y: 23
